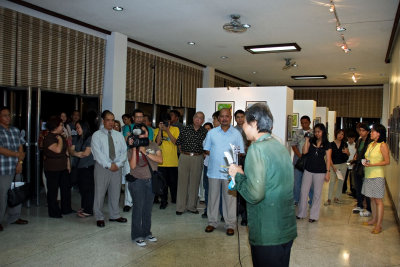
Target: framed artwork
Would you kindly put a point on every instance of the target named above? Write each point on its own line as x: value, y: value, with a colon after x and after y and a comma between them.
x: 225, y: 104
x: 289, y: 129
x: 295, y: 123
x: 317, y: 120
x: 250, y: 103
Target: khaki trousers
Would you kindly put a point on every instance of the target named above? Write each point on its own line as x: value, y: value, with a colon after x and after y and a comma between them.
x: 189, y: 175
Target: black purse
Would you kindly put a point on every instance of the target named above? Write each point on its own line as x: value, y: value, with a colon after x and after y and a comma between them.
x: 158, y: 182
x: 130, y: 178
x: 301, y: 162
x: 18, y: 195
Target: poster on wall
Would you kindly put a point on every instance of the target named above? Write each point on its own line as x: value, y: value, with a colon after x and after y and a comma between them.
x: 225, y: 104
x: 250, y: 103
x: 295, y: 122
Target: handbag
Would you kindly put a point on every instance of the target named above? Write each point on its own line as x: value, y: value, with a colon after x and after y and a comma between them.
x: 158, y: 182
x: 301, y: 162
x: 130, y: 178
x: 18, y: 194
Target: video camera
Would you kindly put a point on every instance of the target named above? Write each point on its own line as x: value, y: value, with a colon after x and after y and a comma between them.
x: 134, y: 140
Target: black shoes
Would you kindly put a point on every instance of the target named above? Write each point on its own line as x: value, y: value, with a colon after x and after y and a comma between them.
x: 179, y: 213
x: 243, y: 222
x: 100, y: 223
x: 204, y: 215
x: 126, y: 208
x: 163, y: 206
x: 194, y: 212
x: 120, y: 220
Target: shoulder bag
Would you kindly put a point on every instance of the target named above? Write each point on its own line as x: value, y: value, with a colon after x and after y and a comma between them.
x: 17, y: 194
x: 301, y: 162
x: 157, y: 181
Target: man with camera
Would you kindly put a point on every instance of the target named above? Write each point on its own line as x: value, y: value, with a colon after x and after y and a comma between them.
x: 165, y: 137
x: 190, y: 141
x: 109, y: 151
x: 297, y: 146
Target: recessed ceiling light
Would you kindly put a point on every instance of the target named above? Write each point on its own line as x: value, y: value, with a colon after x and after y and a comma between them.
x: 223, y: 57
x: 118, y: 8
x: 273, y: 48
x: 191, y: 43
x: 352, y: 69
x: 254, y: 72
x: 309, y: 77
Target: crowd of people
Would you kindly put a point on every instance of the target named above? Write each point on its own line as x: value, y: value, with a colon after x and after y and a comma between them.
x: 264, y: 185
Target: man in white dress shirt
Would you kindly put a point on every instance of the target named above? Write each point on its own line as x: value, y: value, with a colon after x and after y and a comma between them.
x: 109, y: 152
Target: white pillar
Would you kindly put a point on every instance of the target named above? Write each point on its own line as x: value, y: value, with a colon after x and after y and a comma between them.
x: 115, y: 74
x: 208, y: 77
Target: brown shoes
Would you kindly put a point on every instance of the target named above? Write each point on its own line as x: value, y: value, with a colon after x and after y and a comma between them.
x: 20, y: 221
x: 230, y: 231
x: 209, y: 229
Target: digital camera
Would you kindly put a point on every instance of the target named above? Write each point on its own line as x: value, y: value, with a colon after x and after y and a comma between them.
x: 134, y: 140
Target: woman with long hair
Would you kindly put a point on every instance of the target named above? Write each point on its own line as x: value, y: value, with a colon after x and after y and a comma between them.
x: 85, y: 168
x: 317, y: 150
x: 376, y: 157
x: 340, y: 155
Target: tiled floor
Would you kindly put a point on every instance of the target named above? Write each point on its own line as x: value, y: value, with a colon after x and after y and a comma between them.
x: 337, y: 239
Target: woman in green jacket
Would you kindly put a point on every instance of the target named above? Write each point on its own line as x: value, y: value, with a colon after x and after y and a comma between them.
x: 267, y: 186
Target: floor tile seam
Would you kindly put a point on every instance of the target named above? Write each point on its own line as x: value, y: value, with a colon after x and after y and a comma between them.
x: 148, y: 252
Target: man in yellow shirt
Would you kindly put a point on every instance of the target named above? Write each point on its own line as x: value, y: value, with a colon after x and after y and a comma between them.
x: 165, y: 136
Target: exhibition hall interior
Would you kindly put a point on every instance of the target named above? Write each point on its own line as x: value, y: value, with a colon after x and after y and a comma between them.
x: 329, y: 62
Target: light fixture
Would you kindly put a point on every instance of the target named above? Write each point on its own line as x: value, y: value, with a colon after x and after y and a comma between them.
x: 309, y: 77
x: 354, y: 78
x: 235, y: 25
x: 254, y: 72
x: 223, y: 57
x: 332, y: 6
x: 191, y: 43
x: 118, y: 8
x: 340, y: 28
x: 344, y: 45
x: 273, y: 48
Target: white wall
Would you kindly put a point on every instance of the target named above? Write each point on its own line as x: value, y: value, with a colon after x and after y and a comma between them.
x: 305, y: 108
x: 331, y: 125
x: 322, y: 112
x: 279, y: 100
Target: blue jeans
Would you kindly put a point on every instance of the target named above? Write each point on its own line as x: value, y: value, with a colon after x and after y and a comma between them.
x: 298, y: 178
x: 142, y: 200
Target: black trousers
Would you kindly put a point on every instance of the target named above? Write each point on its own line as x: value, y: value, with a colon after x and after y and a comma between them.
x: 55, y: 180
x: 271, y: 256
x: 171, y: 177
x: 348, y: 176
x: 86, y: 188
x: 360, y: 197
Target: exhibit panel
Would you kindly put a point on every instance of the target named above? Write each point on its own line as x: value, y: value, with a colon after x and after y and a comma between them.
x: 303, y: 108
x: 321, y: 115
x: 331, y: 125
x: 278, y: 98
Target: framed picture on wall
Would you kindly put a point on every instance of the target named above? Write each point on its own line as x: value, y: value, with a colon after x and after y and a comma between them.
x: 289, y: 128
x: 226, y: 104
x: 317, y: 120
x: 295, y: 123
x: 250, y: 103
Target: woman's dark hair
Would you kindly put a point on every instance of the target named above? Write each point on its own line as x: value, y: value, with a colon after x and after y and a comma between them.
x: 338, y: 131
x: 209, y: 124
x: 53, y: 123
x: 215, y: 114
x: 262, y: 114
x: 324, y: 135
x: 381, y: 130
x: 85, y: 129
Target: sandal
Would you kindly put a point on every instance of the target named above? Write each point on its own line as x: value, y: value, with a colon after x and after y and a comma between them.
x: 376, y: 231
x: 80, y: 215
x: 368, y: 224
x: 337, y: 201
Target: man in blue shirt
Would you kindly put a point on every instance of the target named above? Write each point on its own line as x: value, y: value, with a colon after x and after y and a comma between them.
x: 109, y: 151
x: 11, y: 160
x: 218, y: 141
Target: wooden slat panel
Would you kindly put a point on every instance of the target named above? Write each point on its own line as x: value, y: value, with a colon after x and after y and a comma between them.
x: 219, y: 81
x: 191, y: 80
x: 168, y: 82
x: 139, y: 76
x: 8, y: 44
x: 95, y: 64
